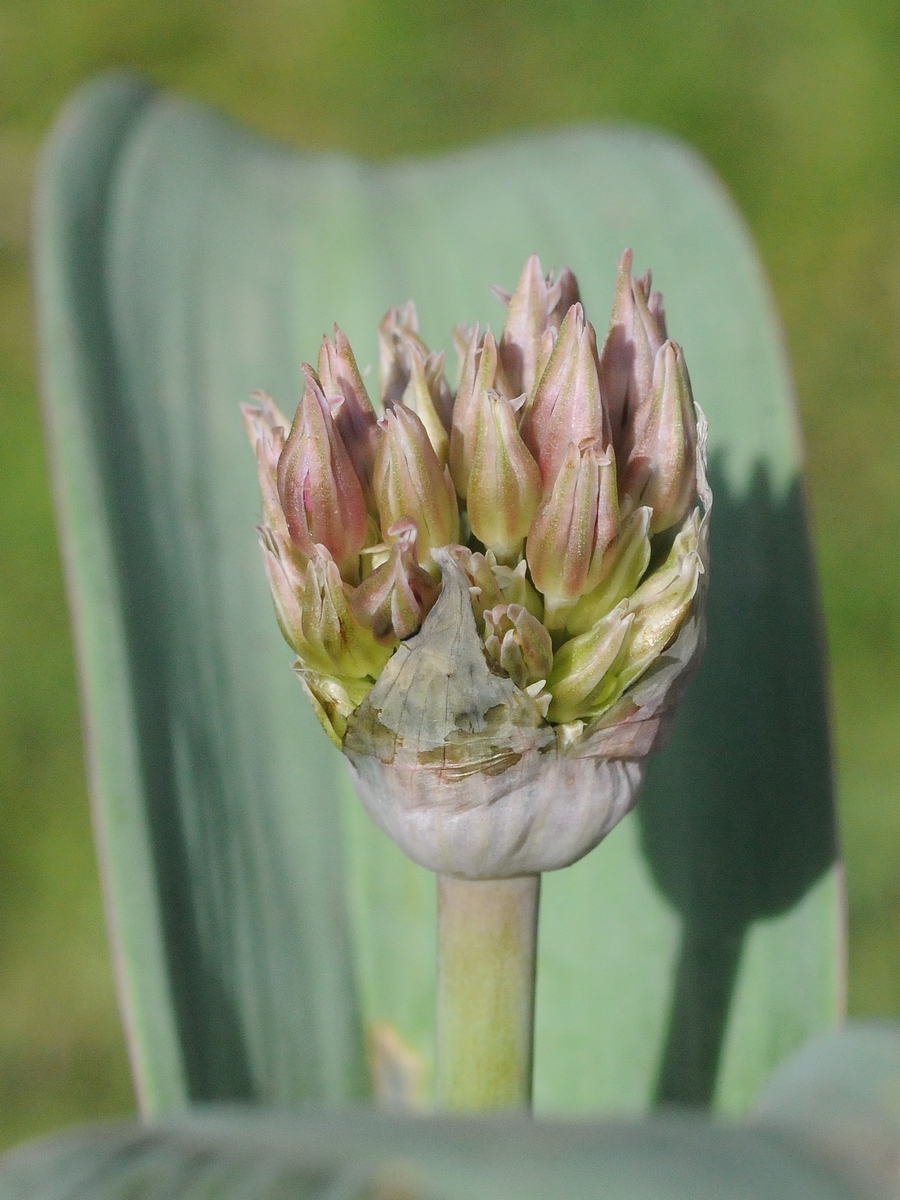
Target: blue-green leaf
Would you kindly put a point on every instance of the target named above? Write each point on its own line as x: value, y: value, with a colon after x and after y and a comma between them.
x: 370, y: 1156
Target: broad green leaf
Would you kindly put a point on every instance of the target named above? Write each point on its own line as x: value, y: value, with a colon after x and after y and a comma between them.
x: 263, y: 928
x: 359, y: 1155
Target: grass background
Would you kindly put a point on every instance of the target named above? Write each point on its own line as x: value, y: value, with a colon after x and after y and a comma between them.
x: 798, y: 109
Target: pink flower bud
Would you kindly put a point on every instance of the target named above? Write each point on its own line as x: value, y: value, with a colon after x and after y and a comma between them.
x: 655, y: 306
x: 321, y: 496
x: 398, y: 345
x: 633, y: 338
x: 575, y: 524
x: 398, y: 595
x: 286, y: 578
x: 479, y: 374
x: 526, y: 319
x: 567, y: 406
x: 393, y: 373
x: 562, y: 295
x: 519, y: 643
x: 504, y: 486
x: 355, y: 417
x: 266, y: 429
x: 536, y: 307
x: 660, y: 470
x: 411, y: 483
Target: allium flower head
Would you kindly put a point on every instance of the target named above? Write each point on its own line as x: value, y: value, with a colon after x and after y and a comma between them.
x: 495, y: 596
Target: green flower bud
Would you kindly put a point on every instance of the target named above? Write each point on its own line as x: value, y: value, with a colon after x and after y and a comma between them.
x: 504, y: 486
x: 574, y: 527
x: 584, y: 681
x: 660, y: 604
x: 661, y: 469
x: 332, y: 640
x: 411, y: 483
x: 484, y: 586
x: 630, y: 559
x: 320, y: 493
x: 491, y: 583
x: 515, y: 586
x: 333, y: 700
x: 419, y: 398
x: 398, y: 595
x: 519, y: 643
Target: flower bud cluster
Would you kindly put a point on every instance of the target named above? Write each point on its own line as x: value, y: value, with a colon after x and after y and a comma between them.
x: 562, y: 478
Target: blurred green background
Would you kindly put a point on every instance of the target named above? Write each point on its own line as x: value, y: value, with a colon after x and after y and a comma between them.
x: 797, y: 107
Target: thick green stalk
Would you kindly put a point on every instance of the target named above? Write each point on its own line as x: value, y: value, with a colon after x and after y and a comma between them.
x: 487, y: 935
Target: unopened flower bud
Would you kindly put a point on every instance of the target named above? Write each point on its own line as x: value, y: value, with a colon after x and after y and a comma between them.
x: 562, y: 295
x: 526, y: 320
x: 567, y: 405
x: 536, y: 308
x: 464, y: 337
x: 398, y: 595
x: 355, y: 417
x: 659, y: 605
x: 630, y: 559
x: 332, y: 639
x: 321, y: 496
x: 537, y: 304
x: 661, y: 467
x: 519, y: 643
x: 584, y: 681
x: 479, y: 374
x: 267, y: 429
x: 630, y: 347
x: 515, y: 586
x: 657, y: 312
x: 484, y: 586
x: 286, y: 578
x: 573, y: 528
x: 393, y: 370
x: 411, y: 483
x: 399, y: 346
x: 333, y: 700
x: 420, y: 399
x: 504, y: 486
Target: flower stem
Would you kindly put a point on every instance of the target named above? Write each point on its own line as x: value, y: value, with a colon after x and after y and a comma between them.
x: 487, y: 935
